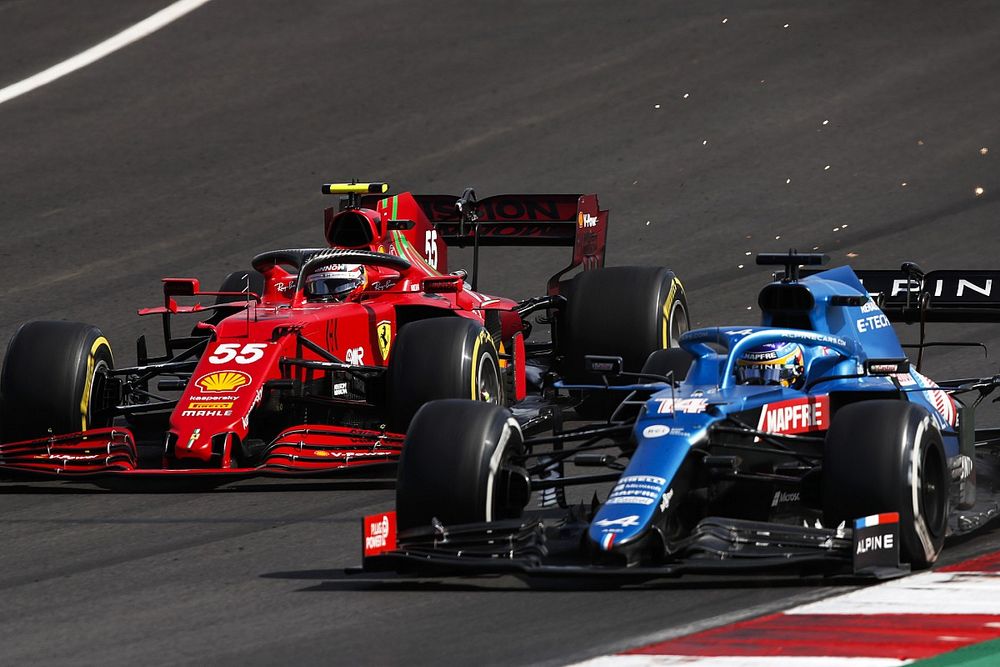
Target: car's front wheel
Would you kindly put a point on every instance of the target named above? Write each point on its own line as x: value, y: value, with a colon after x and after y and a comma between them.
x: 460, y: 464
x: 886, y: 456
x: 53, y: 380
x: 442, y: 357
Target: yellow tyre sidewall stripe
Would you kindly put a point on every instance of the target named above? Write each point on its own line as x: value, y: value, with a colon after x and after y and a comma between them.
x: 483, y: 336
x: 88, y: 386
x: 668, y: 305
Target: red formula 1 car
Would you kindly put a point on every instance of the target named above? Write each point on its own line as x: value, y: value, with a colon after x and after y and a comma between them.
x: 316, y: 360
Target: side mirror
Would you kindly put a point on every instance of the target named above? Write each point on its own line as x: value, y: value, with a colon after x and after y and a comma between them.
x: 593, y: 363
x: 180, y: 286
x: 884, y: 367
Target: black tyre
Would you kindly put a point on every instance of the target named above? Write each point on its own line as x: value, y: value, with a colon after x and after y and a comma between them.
x: 459, y: 465
x: 237, y: 282
x: 623, y: 311
x: 53, y: 379
x: 887, y: 456
x: 444, y: 357
x: 664, y: 362
x: 626, y: 311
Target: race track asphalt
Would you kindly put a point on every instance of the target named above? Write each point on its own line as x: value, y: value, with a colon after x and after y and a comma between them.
x: 710, y: 129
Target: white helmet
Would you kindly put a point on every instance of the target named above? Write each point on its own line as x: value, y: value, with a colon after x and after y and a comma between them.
x: 335, y: 282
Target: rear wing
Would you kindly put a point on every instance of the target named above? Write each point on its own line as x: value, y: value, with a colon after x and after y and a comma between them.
x: 570, y: 220
x: 909, y: 295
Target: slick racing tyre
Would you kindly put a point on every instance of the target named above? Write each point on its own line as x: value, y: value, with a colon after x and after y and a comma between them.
x: 53, y: 380
x: 673, y: 362
x: 886, y: 456
x: 459, y: 465
x: 627, y: 312
x: 664, y: 362
x: 442, y: 357
x: 237, y: 282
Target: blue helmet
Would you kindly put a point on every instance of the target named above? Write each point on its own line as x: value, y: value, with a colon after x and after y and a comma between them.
x: 772, y: 364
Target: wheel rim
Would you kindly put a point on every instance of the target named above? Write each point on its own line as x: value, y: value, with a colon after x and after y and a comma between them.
x: 678, y: 322
x: 487, y: 381
x: 96, y: 388
x: 500, y: 481
x: 932, y: 490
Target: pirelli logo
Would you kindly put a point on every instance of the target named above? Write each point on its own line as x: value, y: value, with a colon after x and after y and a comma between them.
x: 210, y: 405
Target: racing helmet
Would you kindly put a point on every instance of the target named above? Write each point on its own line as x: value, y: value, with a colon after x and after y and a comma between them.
x: 335, y: 282
x: 772, y: 364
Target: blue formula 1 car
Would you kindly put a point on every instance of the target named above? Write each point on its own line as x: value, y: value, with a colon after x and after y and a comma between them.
x: 809, y: 442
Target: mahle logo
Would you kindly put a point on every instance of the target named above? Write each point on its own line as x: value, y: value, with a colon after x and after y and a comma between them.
x: 223, y: 381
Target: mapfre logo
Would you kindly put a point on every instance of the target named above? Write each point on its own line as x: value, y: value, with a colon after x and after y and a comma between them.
x: 798, y: 415
x: 223, y: 381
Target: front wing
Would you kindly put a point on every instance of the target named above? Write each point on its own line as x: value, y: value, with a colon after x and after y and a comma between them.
x: 304, y: 450
x: 551, y: 548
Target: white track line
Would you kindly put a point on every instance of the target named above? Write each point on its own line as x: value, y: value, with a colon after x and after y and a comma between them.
x: 124, y: 38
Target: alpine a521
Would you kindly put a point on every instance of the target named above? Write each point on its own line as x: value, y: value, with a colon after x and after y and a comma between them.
x: 809, y: 442
x: 314, y: 360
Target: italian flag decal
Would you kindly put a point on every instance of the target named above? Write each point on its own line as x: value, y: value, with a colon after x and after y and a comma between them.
x: 947, y: 617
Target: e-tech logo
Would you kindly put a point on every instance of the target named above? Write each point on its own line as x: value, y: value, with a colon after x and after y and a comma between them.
x: 872, y: 323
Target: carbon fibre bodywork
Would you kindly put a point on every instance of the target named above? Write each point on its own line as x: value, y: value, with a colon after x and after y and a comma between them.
x: 711, y: 475
x: 276, y: 383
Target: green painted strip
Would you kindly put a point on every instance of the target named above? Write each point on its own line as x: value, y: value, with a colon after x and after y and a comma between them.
x: 406, y: 248
x: 395, y: 207
x: 983, y: 654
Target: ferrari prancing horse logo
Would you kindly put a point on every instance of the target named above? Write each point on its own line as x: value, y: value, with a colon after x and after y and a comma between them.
x: 384, y: 332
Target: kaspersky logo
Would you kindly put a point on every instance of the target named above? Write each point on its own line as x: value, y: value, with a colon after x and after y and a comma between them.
x: 223, y: 381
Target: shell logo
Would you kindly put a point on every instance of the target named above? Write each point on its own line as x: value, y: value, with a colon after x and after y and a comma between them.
x: 223, y: 381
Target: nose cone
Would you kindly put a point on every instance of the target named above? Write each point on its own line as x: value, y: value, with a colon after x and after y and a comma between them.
x: 644, y: 494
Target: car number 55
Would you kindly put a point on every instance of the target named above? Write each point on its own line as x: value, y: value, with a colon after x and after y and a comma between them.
x: 241, y: 354
x: 431, y: 248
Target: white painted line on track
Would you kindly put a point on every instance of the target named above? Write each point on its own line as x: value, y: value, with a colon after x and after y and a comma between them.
x: 141, y: 29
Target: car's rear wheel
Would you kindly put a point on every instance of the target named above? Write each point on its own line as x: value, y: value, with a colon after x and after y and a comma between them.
x: 674, y: 362
x: 443, y: 357
x: 627, y: 312
x: 886, y: 456
x: 460, y: 465
x: 240, y: 281
x: 54, y: 378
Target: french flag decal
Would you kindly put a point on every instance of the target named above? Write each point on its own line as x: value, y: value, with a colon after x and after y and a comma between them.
x: 876, y: 520
x: 607, y: 541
